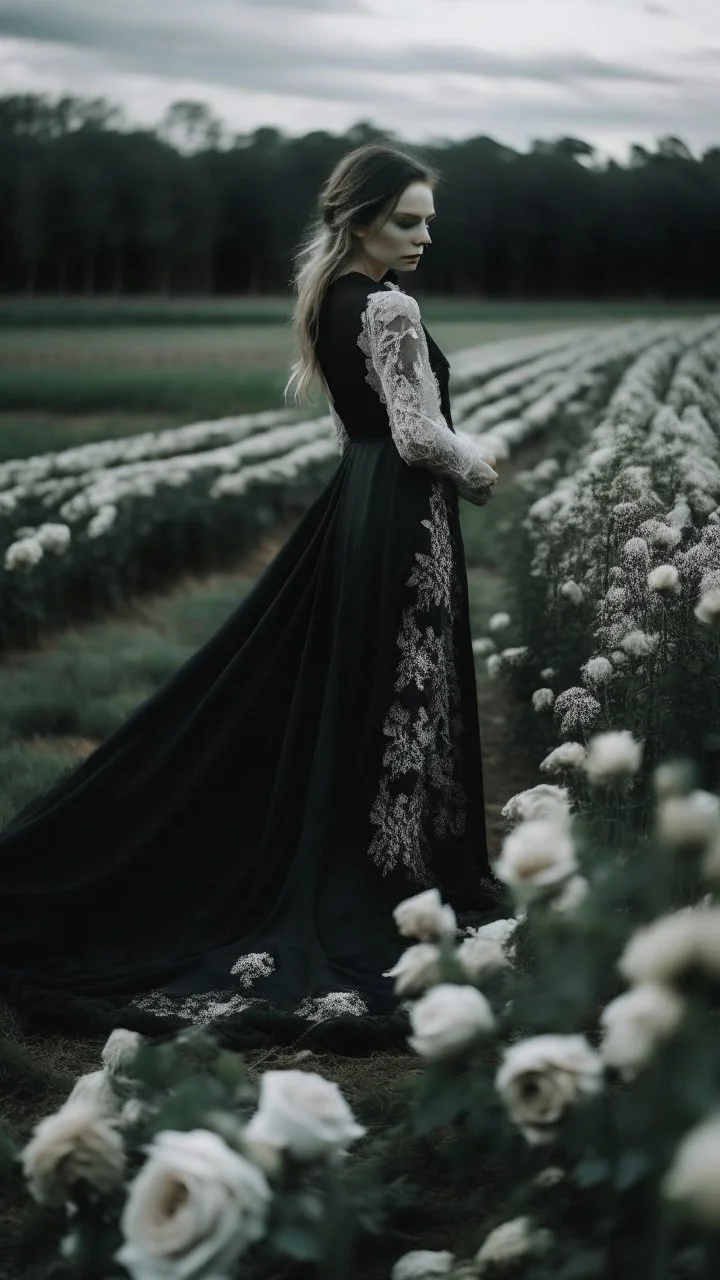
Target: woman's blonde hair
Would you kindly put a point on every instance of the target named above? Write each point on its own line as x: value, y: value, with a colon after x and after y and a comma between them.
x: 361, y: 192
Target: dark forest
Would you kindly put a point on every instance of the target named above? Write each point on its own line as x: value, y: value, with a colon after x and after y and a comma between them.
x: 92, y: 206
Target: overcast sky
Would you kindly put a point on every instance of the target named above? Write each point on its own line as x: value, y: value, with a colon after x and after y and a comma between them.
x: 609, y: 71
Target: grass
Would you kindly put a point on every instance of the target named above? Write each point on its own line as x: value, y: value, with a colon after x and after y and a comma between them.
x: 188, y: 392
x: 184, y: 360
x: 111, y: 312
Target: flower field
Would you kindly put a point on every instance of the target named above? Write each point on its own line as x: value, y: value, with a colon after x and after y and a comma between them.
x: 556, y: 1116
x: 80, y: 527
x: 616, y: 568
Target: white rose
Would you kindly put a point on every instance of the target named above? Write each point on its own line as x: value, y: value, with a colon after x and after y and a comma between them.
x: 421, y: 1264
x: 304, y: 1114
x: 119, y: 1051
x: 192, y: 1210
x: 425, y: 917
x: 511, y: 1241
x: 448, y: 1019
x: 417, y: 969
x: 665, y: 949
x: 689, y: 820
x: 496, y: 931
x: 95, y: 1089
x: 541, y: 1077
x: 535, y: 859
x: 543, y: 801
x: 572, y: 893
x: 480, y: 956
x: 694, y: 1176
x: 77, y: 1145
x: 613, y: 757
x: 569, y: 755
x: 634, y: 1023
x: 499, y: 622
x: 542, y: 699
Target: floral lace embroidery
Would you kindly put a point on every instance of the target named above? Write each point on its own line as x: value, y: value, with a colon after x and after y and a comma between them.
x: 203, y: 1008
x: 254, y: 965
x: 424, y: 725
x: 207, y: 1007
x: 399, y: 371
x: 332, y: 1005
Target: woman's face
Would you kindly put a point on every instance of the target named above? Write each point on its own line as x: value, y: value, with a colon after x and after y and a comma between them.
x: 404, y: 233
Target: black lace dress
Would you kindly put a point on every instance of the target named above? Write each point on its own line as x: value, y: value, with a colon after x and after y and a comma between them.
x: 231, y: 855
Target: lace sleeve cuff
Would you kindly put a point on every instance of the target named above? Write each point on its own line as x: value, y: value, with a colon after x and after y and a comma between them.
x: 399, y: 369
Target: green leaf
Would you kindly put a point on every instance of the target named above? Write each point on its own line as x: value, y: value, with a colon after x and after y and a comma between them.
x: 297, y: 1227
x: 298, y: 1240
x: 631, y: 1168
x: 591, y: 1172
x: 440, y: 1108
x: 583, y: 1265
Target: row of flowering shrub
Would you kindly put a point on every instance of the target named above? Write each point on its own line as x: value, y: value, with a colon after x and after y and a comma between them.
x: 617, y: 570
x: 569, y: 1060
x: 82, y: 528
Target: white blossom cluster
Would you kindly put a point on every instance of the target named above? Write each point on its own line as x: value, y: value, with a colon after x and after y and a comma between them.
x: 201, y: 1197
x: 87, y: 487
x: 509, y: 393
x: 632, y: 532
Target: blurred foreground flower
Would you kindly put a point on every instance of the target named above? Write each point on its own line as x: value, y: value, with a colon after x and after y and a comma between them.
x: 635, y: 1023
x: 78, y: 1146
x: 664, y: 951
x: 510, y: 1242
x: 303, y: 1114
x: 499, y: 621
x: 568, y: 756
x: 425, y: 917
x: 546, y: 800
x: 536, y: 858
x: 193, y: 1209
x: 613, y: 757
x: 417, y: 969
x: 449, y: 1019
x: 422, y: 1264
x: 543, y: 699
x: 707, y: 610
x: 694, y: 1176
x: 541, y: 1077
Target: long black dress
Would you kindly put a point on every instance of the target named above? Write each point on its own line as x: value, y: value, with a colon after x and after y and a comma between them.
x: 231, y: 855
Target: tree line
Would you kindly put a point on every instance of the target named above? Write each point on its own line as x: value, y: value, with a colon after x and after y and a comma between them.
x: 89, y: 205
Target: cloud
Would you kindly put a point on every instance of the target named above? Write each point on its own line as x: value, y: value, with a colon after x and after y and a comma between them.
x: 219, y: 43
x: 602, y: 68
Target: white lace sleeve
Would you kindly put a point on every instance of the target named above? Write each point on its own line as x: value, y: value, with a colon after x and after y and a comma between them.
x: 343, y: 438
x: 399, y: 370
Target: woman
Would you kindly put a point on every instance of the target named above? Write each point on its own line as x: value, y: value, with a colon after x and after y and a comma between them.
x: 232, y: 854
